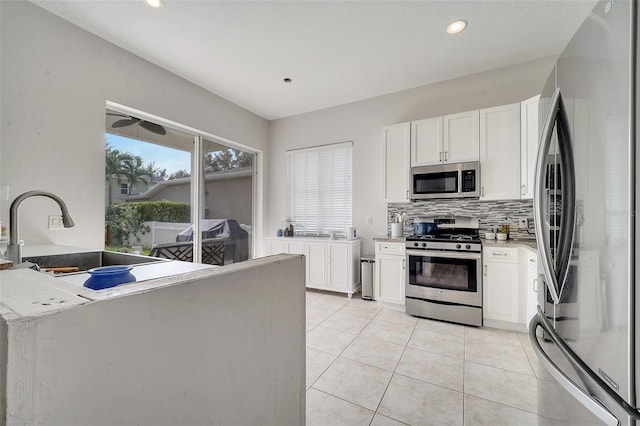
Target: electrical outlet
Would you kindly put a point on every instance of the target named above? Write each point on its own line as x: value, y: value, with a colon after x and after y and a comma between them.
x: 523, y: 223
x: 55, y: 223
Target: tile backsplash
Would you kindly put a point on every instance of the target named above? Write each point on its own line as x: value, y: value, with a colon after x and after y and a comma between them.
x: 490, y: 213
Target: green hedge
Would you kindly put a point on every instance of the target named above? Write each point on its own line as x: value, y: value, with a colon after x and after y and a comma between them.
x: 127, y: 218
x: 163, y: 211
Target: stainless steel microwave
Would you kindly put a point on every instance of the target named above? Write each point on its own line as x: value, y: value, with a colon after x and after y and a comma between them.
x: 456, y: 180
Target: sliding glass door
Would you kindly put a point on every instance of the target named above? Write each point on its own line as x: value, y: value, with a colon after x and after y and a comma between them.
x: 177, y: 194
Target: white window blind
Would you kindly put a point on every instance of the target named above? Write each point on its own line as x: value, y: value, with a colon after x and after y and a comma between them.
x: 319, y: 188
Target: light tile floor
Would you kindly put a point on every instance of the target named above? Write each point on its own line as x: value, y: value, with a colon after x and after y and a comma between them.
x: 372, y: 366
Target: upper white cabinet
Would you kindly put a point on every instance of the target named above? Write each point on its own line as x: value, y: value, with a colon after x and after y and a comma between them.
x: 396, y: 155
x: 500, y: 152
x: 529, y: 142
x: 461, y: 142
x: 426, y: 142
x: 453, y: 138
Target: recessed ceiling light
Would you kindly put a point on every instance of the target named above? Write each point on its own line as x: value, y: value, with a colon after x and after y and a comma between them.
x: 154, y: 3
x: 457, y: 26
x: 287, y: 80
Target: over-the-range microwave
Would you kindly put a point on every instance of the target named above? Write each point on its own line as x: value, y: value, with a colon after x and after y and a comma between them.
x: 456, y: 180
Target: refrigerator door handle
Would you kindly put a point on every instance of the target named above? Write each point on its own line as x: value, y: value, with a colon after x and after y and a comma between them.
x: 542, y: 232
x: 588, y: 401
x: 555, y: 270
x: 568, y: 210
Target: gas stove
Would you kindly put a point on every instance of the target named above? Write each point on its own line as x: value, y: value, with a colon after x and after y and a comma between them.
x: 452, y: 234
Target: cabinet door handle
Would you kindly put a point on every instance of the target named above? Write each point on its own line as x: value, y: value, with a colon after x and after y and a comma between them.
x: 523, y: 189
x: 404, y: 263
x: 445, y: 156
x: 441, y: 156
x: 532, y: 260
x: 535, y: 285
x: 499, y: 254
x: 485, y: 270
x: 407, y: 194
x: 482, y: 191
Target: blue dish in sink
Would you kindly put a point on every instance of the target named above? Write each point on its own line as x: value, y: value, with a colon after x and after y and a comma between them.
x: 109, y: 276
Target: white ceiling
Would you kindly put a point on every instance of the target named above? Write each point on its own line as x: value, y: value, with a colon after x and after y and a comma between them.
x: 336, y: 52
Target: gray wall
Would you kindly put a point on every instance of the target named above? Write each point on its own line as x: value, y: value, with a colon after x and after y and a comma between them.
x: 361, y: 123
x: 55, y: 80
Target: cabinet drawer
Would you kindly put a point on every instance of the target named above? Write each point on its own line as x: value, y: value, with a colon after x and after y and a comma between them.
x: 390, y: 248
x: 500, y: 254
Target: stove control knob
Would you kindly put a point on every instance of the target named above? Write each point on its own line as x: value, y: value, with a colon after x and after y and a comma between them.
x: 458, y: 246
x: 416, y: 244
x: 424, y: 245
x: 468, y: 246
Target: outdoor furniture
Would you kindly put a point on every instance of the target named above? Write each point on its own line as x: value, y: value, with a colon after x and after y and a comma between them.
x: 237, y: 239
x: 212, y: 251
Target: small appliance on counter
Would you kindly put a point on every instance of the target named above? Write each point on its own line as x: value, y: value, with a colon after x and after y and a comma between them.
x: 351, y: 233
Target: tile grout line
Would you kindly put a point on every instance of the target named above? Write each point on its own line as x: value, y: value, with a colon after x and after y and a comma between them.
x: 394, y: 372
x: 345, y: 348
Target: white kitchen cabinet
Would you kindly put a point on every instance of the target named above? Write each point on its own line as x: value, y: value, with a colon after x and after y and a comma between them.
x: 461, y: 137
x: 396, y: 149
x: 453, y: 138
x: 500, y: 152
x: 317, y: 261
x: 500, y: 284
x: 340, y: 259
x: 332, y: 265
x: 529, y: 269
x: 426, y: 142
x: 390, y: 274
x: 529, y: 142
x: 285, y: 245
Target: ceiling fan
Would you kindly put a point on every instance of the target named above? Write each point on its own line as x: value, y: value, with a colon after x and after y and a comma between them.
x: 129, y: 121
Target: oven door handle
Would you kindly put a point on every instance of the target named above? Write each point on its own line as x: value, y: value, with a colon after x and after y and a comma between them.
x: 449, y: 254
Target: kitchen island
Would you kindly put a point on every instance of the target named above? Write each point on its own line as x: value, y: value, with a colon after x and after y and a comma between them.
x: 215, y: 345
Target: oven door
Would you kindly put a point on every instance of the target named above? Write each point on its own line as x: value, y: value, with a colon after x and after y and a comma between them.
x: 454, y: 277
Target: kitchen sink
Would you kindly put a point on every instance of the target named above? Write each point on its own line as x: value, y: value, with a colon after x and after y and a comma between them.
x: 91, y: 259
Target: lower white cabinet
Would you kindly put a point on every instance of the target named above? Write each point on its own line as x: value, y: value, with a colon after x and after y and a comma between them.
x: 390, y: 273
x: 500, y: 284
x: 332, y: 265
x: 285, y: 245
x: 530, y: 271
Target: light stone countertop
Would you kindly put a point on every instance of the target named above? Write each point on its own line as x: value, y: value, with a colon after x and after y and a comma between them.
x: 389, y: 239
x: 526, y: 243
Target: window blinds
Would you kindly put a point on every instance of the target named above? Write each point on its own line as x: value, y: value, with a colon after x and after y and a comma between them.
x: 319, y: 188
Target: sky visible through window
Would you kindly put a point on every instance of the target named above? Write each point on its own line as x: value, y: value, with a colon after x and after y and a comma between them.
x: 163, y: 157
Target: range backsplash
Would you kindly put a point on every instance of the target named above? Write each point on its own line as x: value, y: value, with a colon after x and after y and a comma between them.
x: 490, y: 213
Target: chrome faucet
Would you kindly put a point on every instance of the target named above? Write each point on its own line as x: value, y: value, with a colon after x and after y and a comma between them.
x: 14, y: 249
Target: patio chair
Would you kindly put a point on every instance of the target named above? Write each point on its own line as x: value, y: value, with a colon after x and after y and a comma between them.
x: 212, y: 251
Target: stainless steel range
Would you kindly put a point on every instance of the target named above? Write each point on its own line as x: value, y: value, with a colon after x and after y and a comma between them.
x: 444, y: 273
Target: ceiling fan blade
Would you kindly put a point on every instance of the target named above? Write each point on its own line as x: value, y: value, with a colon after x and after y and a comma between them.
x: 153, y: 127
x: 117, y: 114
x: 125, y: 122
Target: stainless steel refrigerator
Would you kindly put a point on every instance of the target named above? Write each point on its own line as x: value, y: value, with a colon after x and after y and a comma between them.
x: 586, y: 330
